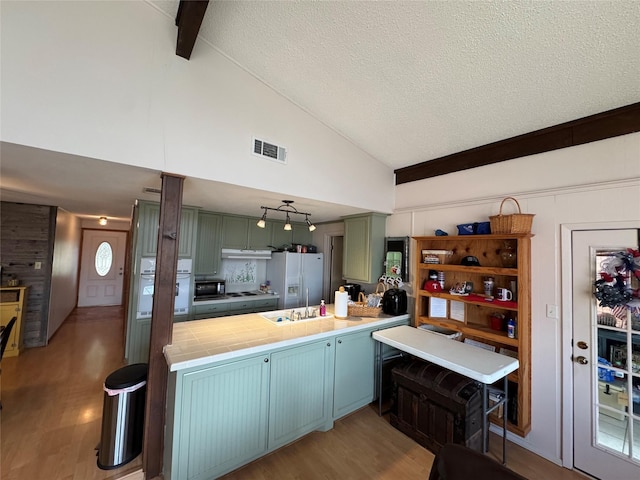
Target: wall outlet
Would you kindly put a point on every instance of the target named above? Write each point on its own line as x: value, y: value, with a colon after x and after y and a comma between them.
x: 37, y: 265
x: 552, y: 311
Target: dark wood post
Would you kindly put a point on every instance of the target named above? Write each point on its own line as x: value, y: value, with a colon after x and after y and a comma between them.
x: 162, y: 323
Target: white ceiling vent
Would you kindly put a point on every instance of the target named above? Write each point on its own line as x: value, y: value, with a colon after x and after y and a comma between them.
x: 269, y: 150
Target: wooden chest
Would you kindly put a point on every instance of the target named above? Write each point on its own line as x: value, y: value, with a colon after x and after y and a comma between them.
x: 435, y: 406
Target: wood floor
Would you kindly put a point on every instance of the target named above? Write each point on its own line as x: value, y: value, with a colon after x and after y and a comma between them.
x: 52, y: 401
x: 52, y: 408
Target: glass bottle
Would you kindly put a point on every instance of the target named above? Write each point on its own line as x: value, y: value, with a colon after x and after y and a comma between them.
x: 508, y: 255
x: 323, y: 309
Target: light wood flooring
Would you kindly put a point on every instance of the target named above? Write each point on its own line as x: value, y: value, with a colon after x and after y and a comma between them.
x: 52, y: 401
x: 51, y: 422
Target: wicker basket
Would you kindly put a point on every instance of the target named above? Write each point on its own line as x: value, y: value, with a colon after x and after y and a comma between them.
x: 514, y: 223
x: 361, y: 307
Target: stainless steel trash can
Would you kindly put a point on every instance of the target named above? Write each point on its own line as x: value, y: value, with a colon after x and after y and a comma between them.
x: 122, y: 416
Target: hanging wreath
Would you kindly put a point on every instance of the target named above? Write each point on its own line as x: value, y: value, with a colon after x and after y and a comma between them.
x: 611, y: 289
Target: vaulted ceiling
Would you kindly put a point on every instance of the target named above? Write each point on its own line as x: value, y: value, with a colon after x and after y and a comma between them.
x: 406, y: 81
x: 412, y: 81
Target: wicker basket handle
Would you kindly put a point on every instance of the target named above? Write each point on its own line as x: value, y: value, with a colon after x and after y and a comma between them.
x: 362, y: 298
x: 509, y: 198
x: 384, y: 288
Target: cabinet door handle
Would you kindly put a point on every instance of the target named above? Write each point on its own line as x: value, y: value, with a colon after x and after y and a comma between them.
x: 266, y: 360
x: 328, y: 344
x: 339, y: 341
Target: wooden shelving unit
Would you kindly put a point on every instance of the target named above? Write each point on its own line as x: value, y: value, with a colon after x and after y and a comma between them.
x: 477, y: 310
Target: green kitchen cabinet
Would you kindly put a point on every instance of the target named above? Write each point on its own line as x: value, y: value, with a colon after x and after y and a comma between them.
x: 207, y: 258
x: 300, y: 400
x: 299, y: 234
x: 149, y: 220
x: 354, y: 380
x: 220, y: 419
x: 243, y: 232
x: 259, y: 238
x: 363, y: 251
x: 235, y: 231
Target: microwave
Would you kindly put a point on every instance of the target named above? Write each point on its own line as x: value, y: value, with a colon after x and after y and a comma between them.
x: 209, y: 290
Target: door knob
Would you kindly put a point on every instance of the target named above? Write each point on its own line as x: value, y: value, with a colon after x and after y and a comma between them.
x: 582, y: 345
x: 582, y: 360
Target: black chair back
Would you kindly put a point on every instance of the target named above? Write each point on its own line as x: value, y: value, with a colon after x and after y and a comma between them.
x: 4, y: 336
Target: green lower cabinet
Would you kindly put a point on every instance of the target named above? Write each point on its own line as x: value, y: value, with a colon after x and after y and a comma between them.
x: 354, y: 380
x: 300, y: 400
x: 221, y: 419
x: 138, y: 343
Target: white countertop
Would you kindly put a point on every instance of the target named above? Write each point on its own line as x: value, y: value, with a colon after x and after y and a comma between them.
x: 473, y: 362
x: 201, y: 342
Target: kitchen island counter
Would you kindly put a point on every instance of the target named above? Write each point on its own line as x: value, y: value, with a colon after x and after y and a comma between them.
x: 203, y: 342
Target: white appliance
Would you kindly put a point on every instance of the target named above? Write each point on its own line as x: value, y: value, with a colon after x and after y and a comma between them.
x: 146, y: 286
x: 291, y: 274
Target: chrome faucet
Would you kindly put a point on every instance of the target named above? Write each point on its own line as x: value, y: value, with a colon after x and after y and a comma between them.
x: 292, y: 315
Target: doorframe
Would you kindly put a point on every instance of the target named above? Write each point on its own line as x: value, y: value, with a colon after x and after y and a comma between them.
x: 566, y: 308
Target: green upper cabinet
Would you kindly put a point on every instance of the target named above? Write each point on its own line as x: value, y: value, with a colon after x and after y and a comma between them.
x: 363, y: 247
x: 235, y: 232
x: 207, y: 259
x: 299, y: 234
x: 149, y: 220
x: 242, y: 232
x: 259, y: 238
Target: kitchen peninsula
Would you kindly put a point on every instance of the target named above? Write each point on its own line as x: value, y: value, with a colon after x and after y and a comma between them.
x: 243, y: 386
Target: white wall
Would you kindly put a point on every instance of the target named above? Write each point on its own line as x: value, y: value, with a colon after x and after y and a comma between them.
x: 64, y: 270
x: 597, y: 182
x: 101, y: 79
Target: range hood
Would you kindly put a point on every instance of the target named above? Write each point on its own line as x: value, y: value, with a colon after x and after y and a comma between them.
x: 246, y: 254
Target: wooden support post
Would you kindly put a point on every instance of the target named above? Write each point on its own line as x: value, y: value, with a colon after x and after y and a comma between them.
x: 162, y: 322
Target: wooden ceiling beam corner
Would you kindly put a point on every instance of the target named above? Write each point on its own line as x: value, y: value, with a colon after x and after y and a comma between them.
x: 188, y: 20
x: 612, y: 123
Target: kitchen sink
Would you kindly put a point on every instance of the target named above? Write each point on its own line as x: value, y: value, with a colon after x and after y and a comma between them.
x: 283, y: 317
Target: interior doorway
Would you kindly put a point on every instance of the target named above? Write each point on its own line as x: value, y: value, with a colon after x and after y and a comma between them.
x: 102, y: 268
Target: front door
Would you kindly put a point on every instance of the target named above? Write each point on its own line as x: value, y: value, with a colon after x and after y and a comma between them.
x: 102, y: 268
x: 606, y: 390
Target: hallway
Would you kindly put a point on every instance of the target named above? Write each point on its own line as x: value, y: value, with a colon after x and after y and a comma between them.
x: 52, y: 400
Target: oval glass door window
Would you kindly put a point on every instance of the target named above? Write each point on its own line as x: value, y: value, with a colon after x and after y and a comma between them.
x: 104, y: 258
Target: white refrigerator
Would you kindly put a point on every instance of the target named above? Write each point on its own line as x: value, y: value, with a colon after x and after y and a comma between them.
x: 291, y: 274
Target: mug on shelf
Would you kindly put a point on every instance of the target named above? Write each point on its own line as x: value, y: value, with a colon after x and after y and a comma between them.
x: 505, y: 295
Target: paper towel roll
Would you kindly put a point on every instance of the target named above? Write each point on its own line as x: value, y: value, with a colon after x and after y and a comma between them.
x: 340, y: 303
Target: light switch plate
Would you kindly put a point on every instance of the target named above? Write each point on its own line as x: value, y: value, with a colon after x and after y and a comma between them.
x: 552, y: 311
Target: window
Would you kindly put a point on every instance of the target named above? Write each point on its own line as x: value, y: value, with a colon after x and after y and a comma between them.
x: 104, y: 259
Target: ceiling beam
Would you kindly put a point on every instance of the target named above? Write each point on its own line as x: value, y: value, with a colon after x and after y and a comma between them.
x: 612, y: 123
x: 188, y: 20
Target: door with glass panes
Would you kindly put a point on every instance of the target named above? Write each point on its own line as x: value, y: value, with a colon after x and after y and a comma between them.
x: 606, y: 353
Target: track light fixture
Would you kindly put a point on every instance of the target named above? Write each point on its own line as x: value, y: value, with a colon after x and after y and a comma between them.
x: 288, y: 209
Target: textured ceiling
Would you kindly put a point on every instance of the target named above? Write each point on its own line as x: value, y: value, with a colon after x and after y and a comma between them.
x: 405, y: 81
x: 413, y: 81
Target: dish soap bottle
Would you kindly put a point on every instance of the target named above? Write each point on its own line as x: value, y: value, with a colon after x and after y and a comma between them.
x: 323, y: 309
